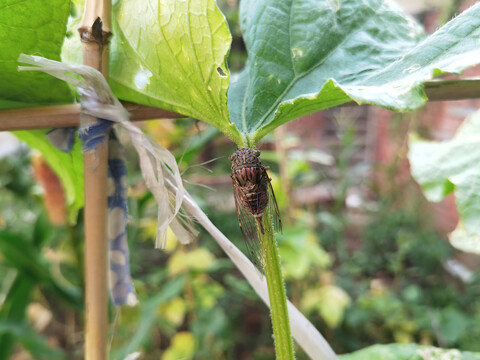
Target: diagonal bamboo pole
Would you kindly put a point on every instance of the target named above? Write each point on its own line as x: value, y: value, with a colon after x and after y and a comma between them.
x: 67, y: 115
x: 57, y: 116
x: 95, y: 33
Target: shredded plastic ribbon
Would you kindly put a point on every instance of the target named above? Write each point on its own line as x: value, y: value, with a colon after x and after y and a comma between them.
x: 100, y: 110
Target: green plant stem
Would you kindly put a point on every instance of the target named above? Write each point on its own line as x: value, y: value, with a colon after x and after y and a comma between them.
x: 276, y: 291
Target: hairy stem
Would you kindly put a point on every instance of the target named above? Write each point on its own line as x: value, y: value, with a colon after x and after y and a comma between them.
x: 276, y: 290
x: 305, y: 334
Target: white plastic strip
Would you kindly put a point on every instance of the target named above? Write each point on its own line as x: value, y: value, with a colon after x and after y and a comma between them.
x: 303, y: 331
x: 98, y: 101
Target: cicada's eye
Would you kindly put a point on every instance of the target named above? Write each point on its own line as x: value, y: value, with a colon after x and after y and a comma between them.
x: 257, y: 153
x: 230, y: 157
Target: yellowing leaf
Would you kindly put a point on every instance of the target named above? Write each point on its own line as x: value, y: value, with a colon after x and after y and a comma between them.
x: 182, y: 347
x: 172, y: 241
x: 402, y: 337
x: 148, y: 228
x: 199, y: 259
x: 174, y: 310
x: 207, y: 291
x: 330, y: 301
x: 177, y: 264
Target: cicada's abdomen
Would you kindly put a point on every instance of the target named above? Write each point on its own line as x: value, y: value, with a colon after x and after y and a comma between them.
x: 253, y: 192
x: 253, y: 188
x: 250, y: 181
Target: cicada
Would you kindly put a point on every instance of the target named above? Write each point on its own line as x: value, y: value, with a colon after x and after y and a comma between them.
x: 253, y: 193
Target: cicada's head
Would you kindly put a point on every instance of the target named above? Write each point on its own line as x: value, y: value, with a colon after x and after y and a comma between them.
x: 245, y: 157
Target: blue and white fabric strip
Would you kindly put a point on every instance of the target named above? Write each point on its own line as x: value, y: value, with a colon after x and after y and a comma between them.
x: 121, y: 286
x: 120, y: 281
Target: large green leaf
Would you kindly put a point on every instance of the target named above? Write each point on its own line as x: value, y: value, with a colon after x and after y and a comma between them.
x: 68, y: 167
x: 452, y: 166
x: 309, y: 55
x: 32, y: 27
x: 409, y: 352
x: 172, y: 54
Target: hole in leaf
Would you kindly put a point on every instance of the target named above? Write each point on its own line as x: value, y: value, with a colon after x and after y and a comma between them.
x: 221, y: 72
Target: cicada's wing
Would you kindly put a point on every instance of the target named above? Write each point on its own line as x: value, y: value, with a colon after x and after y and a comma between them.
x: 273, y: 206
x: 248, y: 227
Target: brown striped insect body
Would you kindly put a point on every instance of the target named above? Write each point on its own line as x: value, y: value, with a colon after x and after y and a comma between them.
x: 253, y: 193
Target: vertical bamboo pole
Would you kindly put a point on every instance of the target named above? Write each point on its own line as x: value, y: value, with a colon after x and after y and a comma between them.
x: 95, y: 31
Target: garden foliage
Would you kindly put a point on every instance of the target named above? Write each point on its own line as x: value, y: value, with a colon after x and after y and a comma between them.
x: 442, y: 168
x: 302, y: 57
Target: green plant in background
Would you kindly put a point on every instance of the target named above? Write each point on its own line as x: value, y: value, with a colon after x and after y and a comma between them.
x: 190, y: 297
x: 398, y: 289
x: 442, y: 168
x: 68, y: 167
x: 448, y: 167
x: 28, y: 276
x: 302, y: 57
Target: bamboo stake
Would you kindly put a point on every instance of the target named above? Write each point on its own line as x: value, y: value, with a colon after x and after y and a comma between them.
x: 67, y: 115
x: 58, y: 116
x: 96, y: 249
x: 95, y: 33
